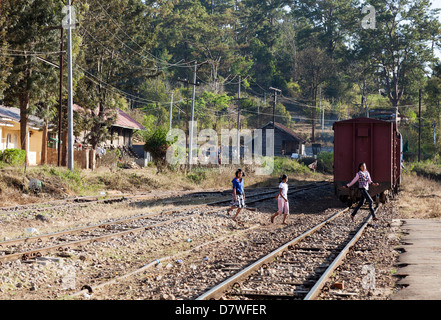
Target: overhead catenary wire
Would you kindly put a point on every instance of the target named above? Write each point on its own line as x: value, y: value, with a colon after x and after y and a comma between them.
x: 141, y: 100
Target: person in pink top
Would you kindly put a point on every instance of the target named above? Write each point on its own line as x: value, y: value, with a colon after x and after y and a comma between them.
x: 364, y: 180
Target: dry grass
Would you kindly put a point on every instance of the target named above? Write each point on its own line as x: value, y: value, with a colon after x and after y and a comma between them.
x: 420, y: 197
x: 60, y: 182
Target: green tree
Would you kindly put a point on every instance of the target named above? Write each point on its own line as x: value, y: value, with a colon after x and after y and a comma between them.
x: 432, y: 113
x: 210, y: 108
x: 397, y: 47
x: 190, y: 32
x: 27, y: 40
x: 5, y: 54
x: 114, y: 60
x: 156, y: 144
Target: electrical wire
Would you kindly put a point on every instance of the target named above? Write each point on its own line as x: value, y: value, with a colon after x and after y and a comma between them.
x: 13, y: 52
x: 154, y: 59
x: 121, y: 92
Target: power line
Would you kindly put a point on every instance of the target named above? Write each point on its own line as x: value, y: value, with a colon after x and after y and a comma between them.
x: 110, y: 50
x: 153, y: 59
x: 117, y: 90
x: 119, y: 27
x: 28, y: 53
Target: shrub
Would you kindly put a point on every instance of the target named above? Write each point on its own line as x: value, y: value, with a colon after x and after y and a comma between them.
x: 110, y: 159
x: 67, y: 175
x: 157, y: 145
x: 426, y: 168
x: 325, y: 162
x: 14, y: 157
x: 197, y: 175
x: 284, y: 165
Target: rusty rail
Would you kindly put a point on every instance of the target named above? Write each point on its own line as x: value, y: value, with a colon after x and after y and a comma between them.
x: 217, y: 291
x: 25, y: 255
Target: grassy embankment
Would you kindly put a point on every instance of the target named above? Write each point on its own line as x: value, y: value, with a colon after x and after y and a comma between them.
x: 60, y: 182
x: 420, y: 196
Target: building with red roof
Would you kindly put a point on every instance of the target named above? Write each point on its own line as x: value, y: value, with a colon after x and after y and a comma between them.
x: 121, y: 132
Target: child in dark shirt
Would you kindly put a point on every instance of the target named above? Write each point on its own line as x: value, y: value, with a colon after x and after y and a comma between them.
x: 238, y: 194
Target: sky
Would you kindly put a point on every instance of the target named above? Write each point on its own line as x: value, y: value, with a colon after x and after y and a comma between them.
x: 436, y: 3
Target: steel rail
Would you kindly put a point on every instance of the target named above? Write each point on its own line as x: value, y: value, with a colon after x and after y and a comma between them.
x: 217, y: 291
x: 40, y: 238
x: 25, y: 255
x: 86, y: 200
x: 316, y: 289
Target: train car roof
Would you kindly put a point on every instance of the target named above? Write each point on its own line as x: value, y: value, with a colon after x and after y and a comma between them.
x: 360, y: 120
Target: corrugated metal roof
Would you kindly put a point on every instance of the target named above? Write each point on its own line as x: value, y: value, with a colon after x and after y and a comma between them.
x: 287, y: 130
x: 13, y: 114
x: 123, y: 120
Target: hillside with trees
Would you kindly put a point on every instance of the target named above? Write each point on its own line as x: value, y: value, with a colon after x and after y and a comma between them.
x: 136, y: 54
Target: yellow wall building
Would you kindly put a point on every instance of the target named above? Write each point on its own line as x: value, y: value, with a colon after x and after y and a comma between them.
x: 10, y: 133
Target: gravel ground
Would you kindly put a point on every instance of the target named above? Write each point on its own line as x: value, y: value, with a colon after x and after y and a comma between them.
x: 194, y: 254
x: 368, y: 271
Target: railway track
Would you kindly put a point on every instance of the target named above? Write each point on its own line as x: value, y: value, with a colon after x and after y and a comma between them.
x: 296, y: 270
x: 33, y: 247
x: 103, y: 199
x: 108, y: 199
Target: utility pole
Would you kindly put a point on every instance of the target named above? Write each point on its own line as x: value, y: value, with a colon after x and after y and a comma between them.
x: 258, y: 115
x: 322, y: 108
x: 186, y: 82
x: 69, y: 26
x: 238, y: 122
x: 60, y: 106
x: 190, y: 148
x: 339, y: 108
x: 171, y: 112
x: 258, y: 109
x: 419, y: 126
x: 320, y: 103
x: 275, y: 103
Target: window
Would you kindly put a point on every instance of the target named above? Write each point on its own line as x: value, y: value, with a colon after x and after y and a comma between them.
x: 9, y: 141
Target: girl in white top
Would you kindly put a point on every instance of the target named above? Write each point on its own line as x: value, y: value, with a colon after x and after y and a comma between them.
x: 282, y: 199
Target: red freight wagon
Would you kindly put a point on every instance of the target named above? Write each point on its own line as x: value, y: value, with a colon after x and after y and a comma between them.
x: 375, y: 142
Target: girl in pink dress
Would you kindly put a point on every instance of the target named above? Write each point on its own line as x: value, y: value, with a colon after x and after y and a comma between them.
x: 282, y: 200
